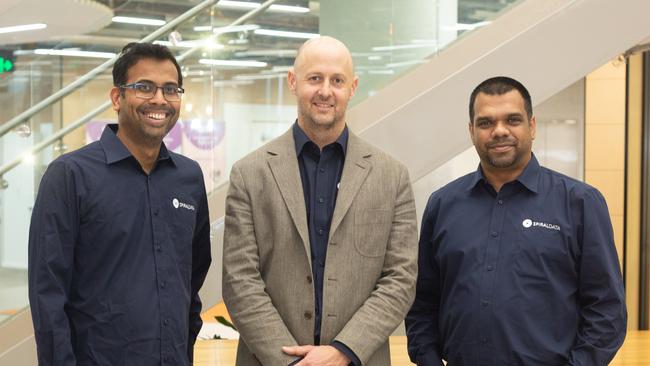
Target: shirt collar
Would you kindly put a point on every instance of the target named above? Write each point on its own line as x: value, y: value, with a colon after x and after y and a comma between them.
x: 300, y: 138
x: 116, y: 151
x: 529, y: 178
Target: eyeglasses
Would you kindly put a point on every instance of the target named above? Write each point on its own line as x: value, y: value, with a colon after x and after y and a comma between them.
x: 171, y: 93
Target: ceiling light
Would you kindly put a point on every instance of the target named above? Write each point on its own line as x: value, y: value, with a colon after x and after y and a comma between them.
x: 222, y: 30
x: 74, y: 53
x: 22, y: 28
x: 222, y: 83
x: 250, y: 5
x: 266, y: 53
x: 209, y: 43
x: 259, y: 76
x: 142, y: 21
x: 232, y: 63
x: 286, y: 34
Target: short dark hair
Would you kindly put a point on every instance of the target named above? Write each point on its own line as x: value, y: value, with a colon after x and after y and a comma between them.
x: 500, y: 85
x: 134, y: 52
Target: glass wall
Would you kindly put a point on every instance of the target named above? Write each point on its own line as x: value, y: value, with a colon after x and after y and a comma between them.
x: 236, y: 94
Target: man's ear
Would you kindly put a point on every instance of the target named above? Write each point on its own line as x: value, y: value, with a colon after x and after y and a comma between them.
x: 291, y: 80
x: 115, y: 95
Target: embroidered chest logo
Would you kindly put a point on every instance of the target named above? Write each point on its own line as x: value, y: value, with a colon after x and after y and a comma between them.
x: 527, y: 223
x: 176, y: 203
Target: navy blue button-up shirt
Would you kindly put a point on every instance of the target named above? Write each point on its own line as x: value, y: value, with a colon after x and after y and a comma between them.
x: 116, y: 258
x: 525, y: 276
x: 320, y: 172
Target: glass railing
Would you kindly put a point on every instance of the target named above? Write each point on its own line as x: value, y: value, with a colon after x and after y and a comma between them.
x: 236, y: 93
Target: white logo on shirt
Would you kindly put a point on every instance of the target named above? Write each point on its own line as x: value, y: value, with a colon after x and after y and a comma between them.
x: 176, y: 203
x: 528, y: 223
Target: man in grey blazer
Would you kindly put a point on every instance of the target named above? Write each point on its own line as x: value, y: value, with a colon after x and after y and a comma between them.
x: 320, y: 246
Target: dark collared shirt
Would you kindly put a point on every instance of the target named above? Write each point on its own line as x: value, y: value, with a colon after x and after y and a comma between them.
x: 525, y: 276
x: 116, y: 258
x: 320, y: 172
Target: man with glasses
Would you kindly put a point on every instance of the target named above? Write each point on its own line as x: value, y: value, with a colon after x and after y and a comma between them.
x: 119, y: 241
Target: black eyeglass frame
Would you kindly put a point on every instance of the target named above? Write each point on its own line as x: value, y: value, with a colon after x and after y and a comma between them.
x: 134, y: 86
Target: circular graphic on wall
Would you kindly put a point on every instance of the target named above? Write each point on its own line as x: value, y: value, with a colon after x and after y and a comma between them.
x: 204, y: 134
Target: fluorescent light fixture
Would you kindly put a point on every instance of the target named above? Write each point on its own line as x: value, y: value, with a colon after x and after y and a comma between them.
x: 249, y: 5
x: 223, y: 30
x: 285, y: 34
x: 232, y: 63
x: 405, y: 46
x: 74, y: 53
x: 406, y: 63
x: 221, y: 83
x: 22, y: 28
x: 374, y: 58
x: 206, y: 43
x: 264, y: 53
x: 141, y: 21
x: 259, y: 76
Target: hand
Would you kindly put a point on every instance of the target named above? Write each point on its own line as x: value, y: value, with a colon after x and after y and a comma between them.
x: 317, y: 355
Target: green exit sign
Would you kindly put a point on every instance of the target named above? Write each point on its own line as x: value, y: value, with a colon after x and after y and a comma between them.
x: 7, y: 62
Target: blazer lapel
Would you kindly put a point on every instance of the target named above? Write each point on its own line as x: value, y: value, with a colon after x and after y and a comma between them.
x: 355, y: 171
x: 283, y: 162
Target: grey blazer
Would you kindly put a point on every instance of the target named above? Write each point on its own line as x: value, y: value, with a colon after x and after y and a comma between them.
x: 371, y: 266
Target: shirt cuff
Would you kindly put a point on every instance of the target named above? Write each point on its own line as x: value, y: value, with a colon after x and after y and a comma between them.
x: 354, y: 360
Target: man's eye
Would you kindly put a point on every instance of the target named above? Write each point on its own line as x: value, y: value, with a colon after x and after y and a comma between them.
x: 170, y: 90
x: 144, y: 87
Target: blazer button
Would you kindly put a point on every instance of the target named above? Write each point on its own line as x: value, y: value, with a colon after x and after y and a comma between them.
x: 308, y: 279
x: 307, y: 315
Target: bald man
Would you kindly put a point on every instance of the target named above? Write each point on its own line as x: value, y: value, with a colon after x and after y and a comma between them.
x: 320, y: 238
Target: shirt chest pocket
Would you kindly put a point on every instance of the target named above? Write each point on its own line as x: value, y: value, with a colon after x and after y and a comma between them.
x: 180, y: 227
x: 372, y: 230
x: 542, y: 248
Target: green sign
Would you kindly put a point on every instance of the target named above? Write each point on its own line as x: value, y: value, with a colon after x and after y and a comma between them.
x: 6, y: 65
x: 7, y: 62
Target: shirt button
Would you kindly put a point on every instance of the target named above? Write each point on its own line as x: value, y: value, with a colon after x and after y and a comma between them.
x: 320, y: 231
x: 322, y: 170
x: 308, y: 279
x: 166, y: 322
x: 307, y: 315
x: 321, y: 200
x: 485, y: 303
x: 500, y: 202
x: 158, y: 248
x: 490, y: 268
x: 163, y: 283
x: 494, y: 234
x: 155, y: 212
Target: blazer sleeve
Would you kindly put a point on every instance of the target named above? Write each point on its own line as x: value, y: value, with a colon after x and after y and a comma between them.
x: 250, y: 307
x: 372, y: 324
x: 52, y: 236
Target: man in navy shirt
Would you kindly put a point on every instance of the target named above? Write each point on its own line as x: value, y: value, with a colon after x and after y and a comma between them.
x: 119, y: 242
x: 517, y: 263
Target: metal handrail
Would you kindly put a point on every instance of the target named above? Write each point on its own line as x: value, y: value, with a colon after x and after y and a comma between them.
x: 7, y: 126
x: 83, y: 120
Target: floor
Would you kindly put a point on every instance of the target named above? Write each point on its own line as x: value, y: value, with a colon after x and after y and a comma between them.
x: 13, y: 291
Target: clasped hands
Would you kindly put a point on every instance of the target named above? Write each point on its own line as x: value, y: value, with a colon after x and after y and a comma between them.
x: 317, y: 355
